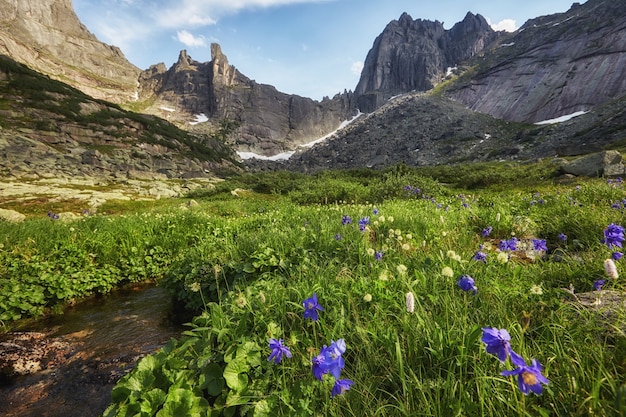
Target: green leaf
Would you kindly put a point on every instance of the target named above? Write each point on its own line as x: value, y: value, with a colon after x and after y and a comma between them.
x: 262, y: 409
x: 212, y: 380
x: 235, y: 374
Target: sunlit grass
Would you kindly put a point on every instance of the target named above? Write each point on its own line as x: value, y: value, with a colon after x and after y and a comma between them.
x: 244, y: 264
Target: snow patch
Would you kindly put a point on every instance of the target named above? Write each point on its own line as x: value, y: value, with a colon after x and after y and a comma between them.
x: 286, y: 155
x: 450, y: 70
x: 169, y: 109
x: 561, y: 118
x: 508, y: 44
x: 200, y: 118
x: 278, y: 157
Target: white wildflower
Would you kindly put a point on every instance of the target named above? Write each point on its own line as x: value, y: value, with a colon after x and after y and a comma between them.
x: 410, y: 302
x: 610, y: 268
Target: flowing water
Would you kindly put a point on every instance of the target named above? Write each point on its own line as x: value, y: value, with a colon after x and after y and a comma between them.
x: 104, y: 338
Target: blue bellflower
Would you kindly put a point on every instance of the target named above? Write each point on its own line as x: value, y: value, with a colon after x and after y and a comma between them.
x: 540, y: 244
x: 597, y: 285
x: 529, y: 378
x: 480, y: 256
x: 613, y: 236
x: 341, y: 386
x: 329, y: 360
x: 278, y: 350
x: 466, y: 283
x: 498, y: 342
x: 345, y: 220
x: 510, y: 244
x: 311, y: 308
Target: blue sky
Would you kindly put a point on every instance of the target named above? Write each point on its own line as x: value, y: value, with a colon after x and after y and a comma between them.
x: 312, y: 48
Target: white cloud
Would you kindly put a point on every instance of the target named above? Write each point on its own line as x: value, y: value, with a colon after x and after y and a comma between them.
x: 188, y: 39
x: 207, y: 12
x: 357, y: 67
x: 508, y: 25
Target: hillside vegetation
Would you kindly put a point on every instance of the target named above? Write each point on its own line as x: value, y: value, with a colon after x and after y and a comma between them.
x: 378, y: 295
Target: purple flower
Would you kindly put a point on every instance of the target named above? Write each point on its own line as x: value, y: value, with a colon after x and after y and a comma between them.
x: 480, y: 256
x: 617, y: 256
x: 329, y: 360
x: 510, y: 244
x: 378, y: 255
x: 597, y: 285
x: 338, y: 236
x: 53, y: 216
x: 363, y: 223
x: 613, y: 236
x: 345, y: 220
x: 540, y: 244
x: 278, y: 350
x: 311, y: 307
x: 487, y: 231
x: 562, y: 237
x: 341, y: 386
x: 529, y: 378
x: 375, y: 211
x: 498, y: 342
x: 466, y: 283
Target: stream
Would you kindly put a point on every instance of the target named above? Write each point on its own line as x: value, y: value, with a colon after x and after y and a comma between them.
x: 96, y: 342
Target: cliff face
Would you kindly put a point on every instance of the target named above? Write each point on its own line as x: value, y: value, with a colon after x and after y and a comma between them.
x: 553, y: 66
x: 414, y: 55
x: 48, y: 37
x: 269, y: 121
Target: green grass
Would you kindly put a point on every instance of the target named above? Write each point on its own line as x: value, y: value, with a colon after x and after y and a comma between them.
x: 244, y: 264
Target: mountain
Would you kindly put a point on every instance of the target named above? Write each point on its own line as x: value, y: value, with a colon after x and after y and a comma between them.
x: 47, y: 36
x: 570, y: 63
x: 430, y: 96
x: 266, y: 121
x: 415, y: 55
x: 48, y: 128
x: 552, y: 66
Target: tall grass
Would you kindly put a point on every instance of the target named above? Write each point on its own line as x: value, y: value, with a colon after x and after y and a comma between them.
x: 244, y: 264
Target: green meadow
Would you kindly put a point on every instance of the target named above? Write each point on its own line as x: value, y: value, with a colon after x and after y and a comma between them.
x: 389, y: 256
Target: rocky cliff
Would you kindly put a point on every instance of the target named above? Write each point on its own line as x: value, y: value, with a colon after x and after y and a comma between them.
x: 50, y: 129
x: 554, y: 65
x: 48, y: 37
x: 268, y: 121
x: 415, y: 55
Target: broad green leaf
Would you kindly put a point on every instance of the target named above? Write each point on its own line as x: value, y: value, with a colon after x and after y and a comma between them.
x: 212, y: 380
x: 235, y: 374
x: 262, y: 409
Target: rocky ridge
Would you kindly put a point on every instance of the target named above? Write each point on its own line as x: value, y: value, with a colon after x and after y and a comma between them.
x: 415, y: 55
x: 49, y: 38
x: 49, y: 128
x: 552, y: 66
x: 266, y: 121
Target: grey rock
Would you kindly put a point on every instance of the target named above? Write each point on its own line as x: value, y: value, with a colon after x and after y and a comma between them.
x: 268, y: 121
x: 413, y: 55
x: 552, y: 66
x: 47, y: 36
x: 11, y: 216
x: 608, y: 163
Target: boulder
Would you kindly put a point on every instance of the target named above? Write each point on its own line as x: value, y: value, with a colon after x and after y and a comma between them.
x: 606, y: 163
x: 11, y: 216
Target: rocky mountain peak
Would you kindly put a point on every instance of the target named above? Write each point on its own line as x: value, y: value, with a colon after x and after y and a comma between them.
x: 552, y: 66
x: 184, y: 60
x: 47, y: 36
x: 413, y: 55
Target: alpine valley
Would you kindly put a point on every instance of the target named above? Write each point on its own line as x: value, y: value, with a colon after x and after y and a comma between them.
x: 72, y: 105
